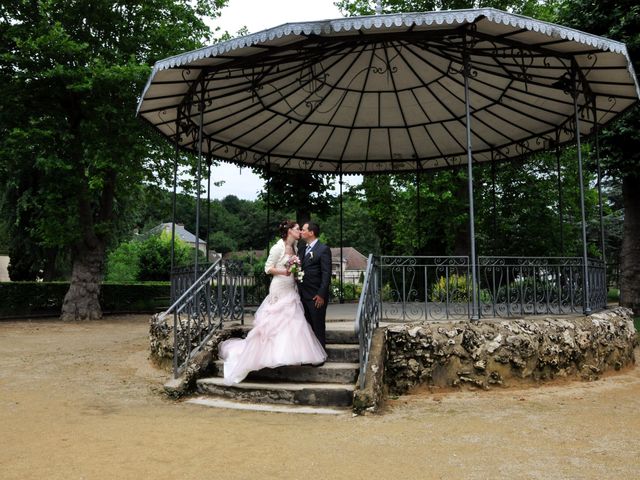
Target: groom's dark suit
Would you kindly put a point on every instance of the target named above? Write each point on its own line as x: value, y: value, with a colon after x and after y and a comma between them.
x: 316, y: 266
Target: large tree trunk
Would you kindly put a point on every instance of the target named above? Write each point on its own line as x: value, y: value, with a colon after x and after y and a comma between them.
x: 82, y: 300
x: 630, y: 252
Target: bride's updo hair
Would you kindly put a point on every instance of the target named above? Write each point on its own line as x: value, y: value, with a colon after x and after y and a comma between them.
x: 284, y: 227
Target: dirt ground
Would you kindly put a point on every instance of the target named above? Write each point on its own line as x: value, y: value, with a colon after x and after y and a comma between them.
x: 81, y: 401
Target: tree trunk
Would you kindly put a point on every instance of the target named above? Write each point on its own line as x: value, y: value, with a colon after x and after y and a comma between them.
x: 630, y: 251
x: 82, y: 300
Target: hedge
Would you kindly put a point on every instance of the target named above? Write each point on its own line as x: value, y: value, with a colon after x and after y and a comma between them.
x: 23, y: 299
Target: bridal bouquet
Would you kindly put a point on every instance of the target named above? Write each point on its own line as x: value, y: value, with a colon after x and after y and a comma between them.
x: 294, y: 266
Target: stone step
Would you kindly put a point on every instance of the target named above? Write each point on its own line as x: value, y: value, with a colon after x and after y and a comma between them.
x: 343, y: 352
x: 313, y: 394
x: 330, y: 372
x: 268, y: 407
x: 337, y: 332
x: 341, y: 335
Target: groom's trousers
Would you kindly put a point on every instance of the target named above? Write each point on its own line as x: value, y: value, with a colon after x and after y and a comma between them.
x: 316, y: 318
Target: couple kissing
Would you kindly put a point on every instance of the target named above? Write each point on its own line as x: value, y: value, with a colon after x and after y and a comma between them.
x: 289, y: 326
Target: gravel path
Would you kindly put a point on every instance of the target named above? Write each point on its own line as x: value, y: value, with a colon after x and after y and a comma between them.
x: 81, y: 401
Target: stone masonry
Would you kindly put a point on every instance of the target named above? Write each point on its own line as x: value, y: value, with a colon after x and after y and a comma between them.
x: 485, y: 353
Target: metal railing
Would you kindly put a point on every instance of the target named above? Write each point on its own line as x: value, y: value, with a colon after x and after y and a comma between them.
x: 440, y: 288
x: 368, y: 313
x: 421, y: 288
x: 201, y: 306
x: 409, y: 289
x: 512, y: 286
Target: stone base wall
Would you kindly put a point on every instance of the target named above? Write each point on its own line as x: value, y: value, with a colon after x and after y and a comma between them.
x: 485, y: 353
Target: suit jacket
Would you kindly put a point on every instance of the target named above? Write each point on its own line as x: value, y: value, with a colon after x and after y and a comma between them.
x: 317, y: 272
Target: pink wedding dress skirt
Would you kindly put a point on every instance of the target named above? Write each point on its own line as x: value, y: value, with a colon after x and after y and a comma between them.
x: 280, y: 336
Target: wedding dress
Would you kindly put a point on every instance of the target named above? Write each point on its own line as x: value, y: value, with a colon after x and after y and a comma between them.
x: 280, y: 334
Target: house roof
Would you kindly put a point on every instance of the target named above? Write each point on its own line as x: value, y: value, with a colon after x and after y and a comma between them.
x: 354, y: 259
x: 181, y: 232
x: 244, y: 253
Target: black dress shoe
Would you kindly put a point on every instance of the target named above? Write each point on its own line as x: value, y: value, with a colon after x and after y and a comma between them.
x: 317, y: 364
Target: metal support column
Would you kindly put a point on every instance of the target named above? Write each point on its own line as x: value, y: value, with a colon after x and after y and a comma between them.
x: 418, y: 213
x: 597, y: 135
x: 474, y: 274
x: 173, y: 201
x: 560, y: 199
x: 268, y: 200
x: 341, y: 241
x: 199, y: 179
x: 494, y: 206
x: 585, y: 267
x: 208, y: 201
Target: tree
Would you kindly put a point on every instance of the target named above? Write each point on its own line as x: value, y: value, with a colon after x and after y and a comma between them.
x: 71, y: 150
x: 542, y: 10
x: 303, y: 192
x: 359, y: 231
x: 620, y: 141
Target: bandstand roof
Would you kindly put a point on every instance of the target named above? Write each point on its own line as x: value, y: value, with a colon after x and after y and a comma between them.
x: 386, y: 93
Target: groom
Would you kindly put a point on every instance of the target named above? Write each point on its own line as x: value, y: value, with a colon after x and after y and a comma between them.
x: 314, y: 290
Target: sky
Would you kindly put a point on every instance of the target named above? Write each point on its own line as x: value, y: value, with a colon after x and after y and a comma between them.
x: 259, y: 15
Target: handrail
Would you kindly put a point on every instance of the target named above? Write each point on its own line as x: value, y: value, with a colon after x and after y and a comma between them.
x: 215, y: 265
x: 217, y: 292
x: 368, y: 314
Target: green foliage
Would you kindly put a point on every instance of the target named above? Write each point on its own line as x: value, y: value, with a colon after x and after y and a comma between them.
x: 302, y: 192
x: 222, y: 243
x: 619, y: 20
x: 453, y: 289
x: 155, y: 257
x: 359, y: 231
x: 366, y: 7
x: 123, y: 263
x: 351, y: 291
x: 24, y: 299
x: 147, y: 260
x: 72, y: 153
x: 4, y: 238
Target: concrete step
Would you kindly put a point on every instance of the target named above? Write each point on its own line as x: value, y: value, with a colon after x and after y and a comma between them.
x: 268, y: 407
x: 330, y: 372
x: 337, y: 332
x: 343, y: 352
x: 313, y: 394
x: 341, y: 335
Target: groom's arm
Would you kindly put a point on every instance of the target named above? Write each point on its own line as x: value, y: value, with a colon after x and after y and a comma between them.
x: 325, y: 273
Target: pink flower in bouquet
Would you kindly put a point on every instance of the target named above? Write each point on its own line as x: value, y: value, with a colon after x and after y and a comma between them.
x: 294, y: 266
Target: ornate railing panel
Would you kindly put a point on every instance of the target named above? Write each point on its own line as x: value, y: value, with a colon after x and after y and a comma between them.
x: 598, y: 289
x: 183, y: 277
x: 421, y: 288
x: 368, y: 313
x: 201, y: 306
x: 513, y: 286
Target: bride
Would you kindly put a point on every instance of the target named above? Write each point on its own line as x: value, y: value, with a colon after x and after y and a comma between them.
x: 280, y: 334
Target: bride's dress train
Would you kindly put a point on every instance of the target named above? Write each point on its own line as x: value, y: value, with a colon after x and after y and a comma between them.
x: 280, y: 336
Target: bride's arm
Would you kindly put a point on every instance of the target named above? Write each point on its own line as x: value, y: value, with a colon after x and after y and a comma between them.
x: 275, y: 254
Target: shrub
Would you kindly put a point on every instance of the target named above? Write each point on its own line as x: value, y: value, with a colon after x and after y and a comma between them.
x: 122, y: 263
x: 20, y: 299
x: 147, y: 260
x: 351, y: 291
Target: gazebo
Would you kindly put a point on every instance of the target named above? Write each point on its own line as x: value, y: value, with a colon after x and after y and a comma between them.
x: 398, y: 93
